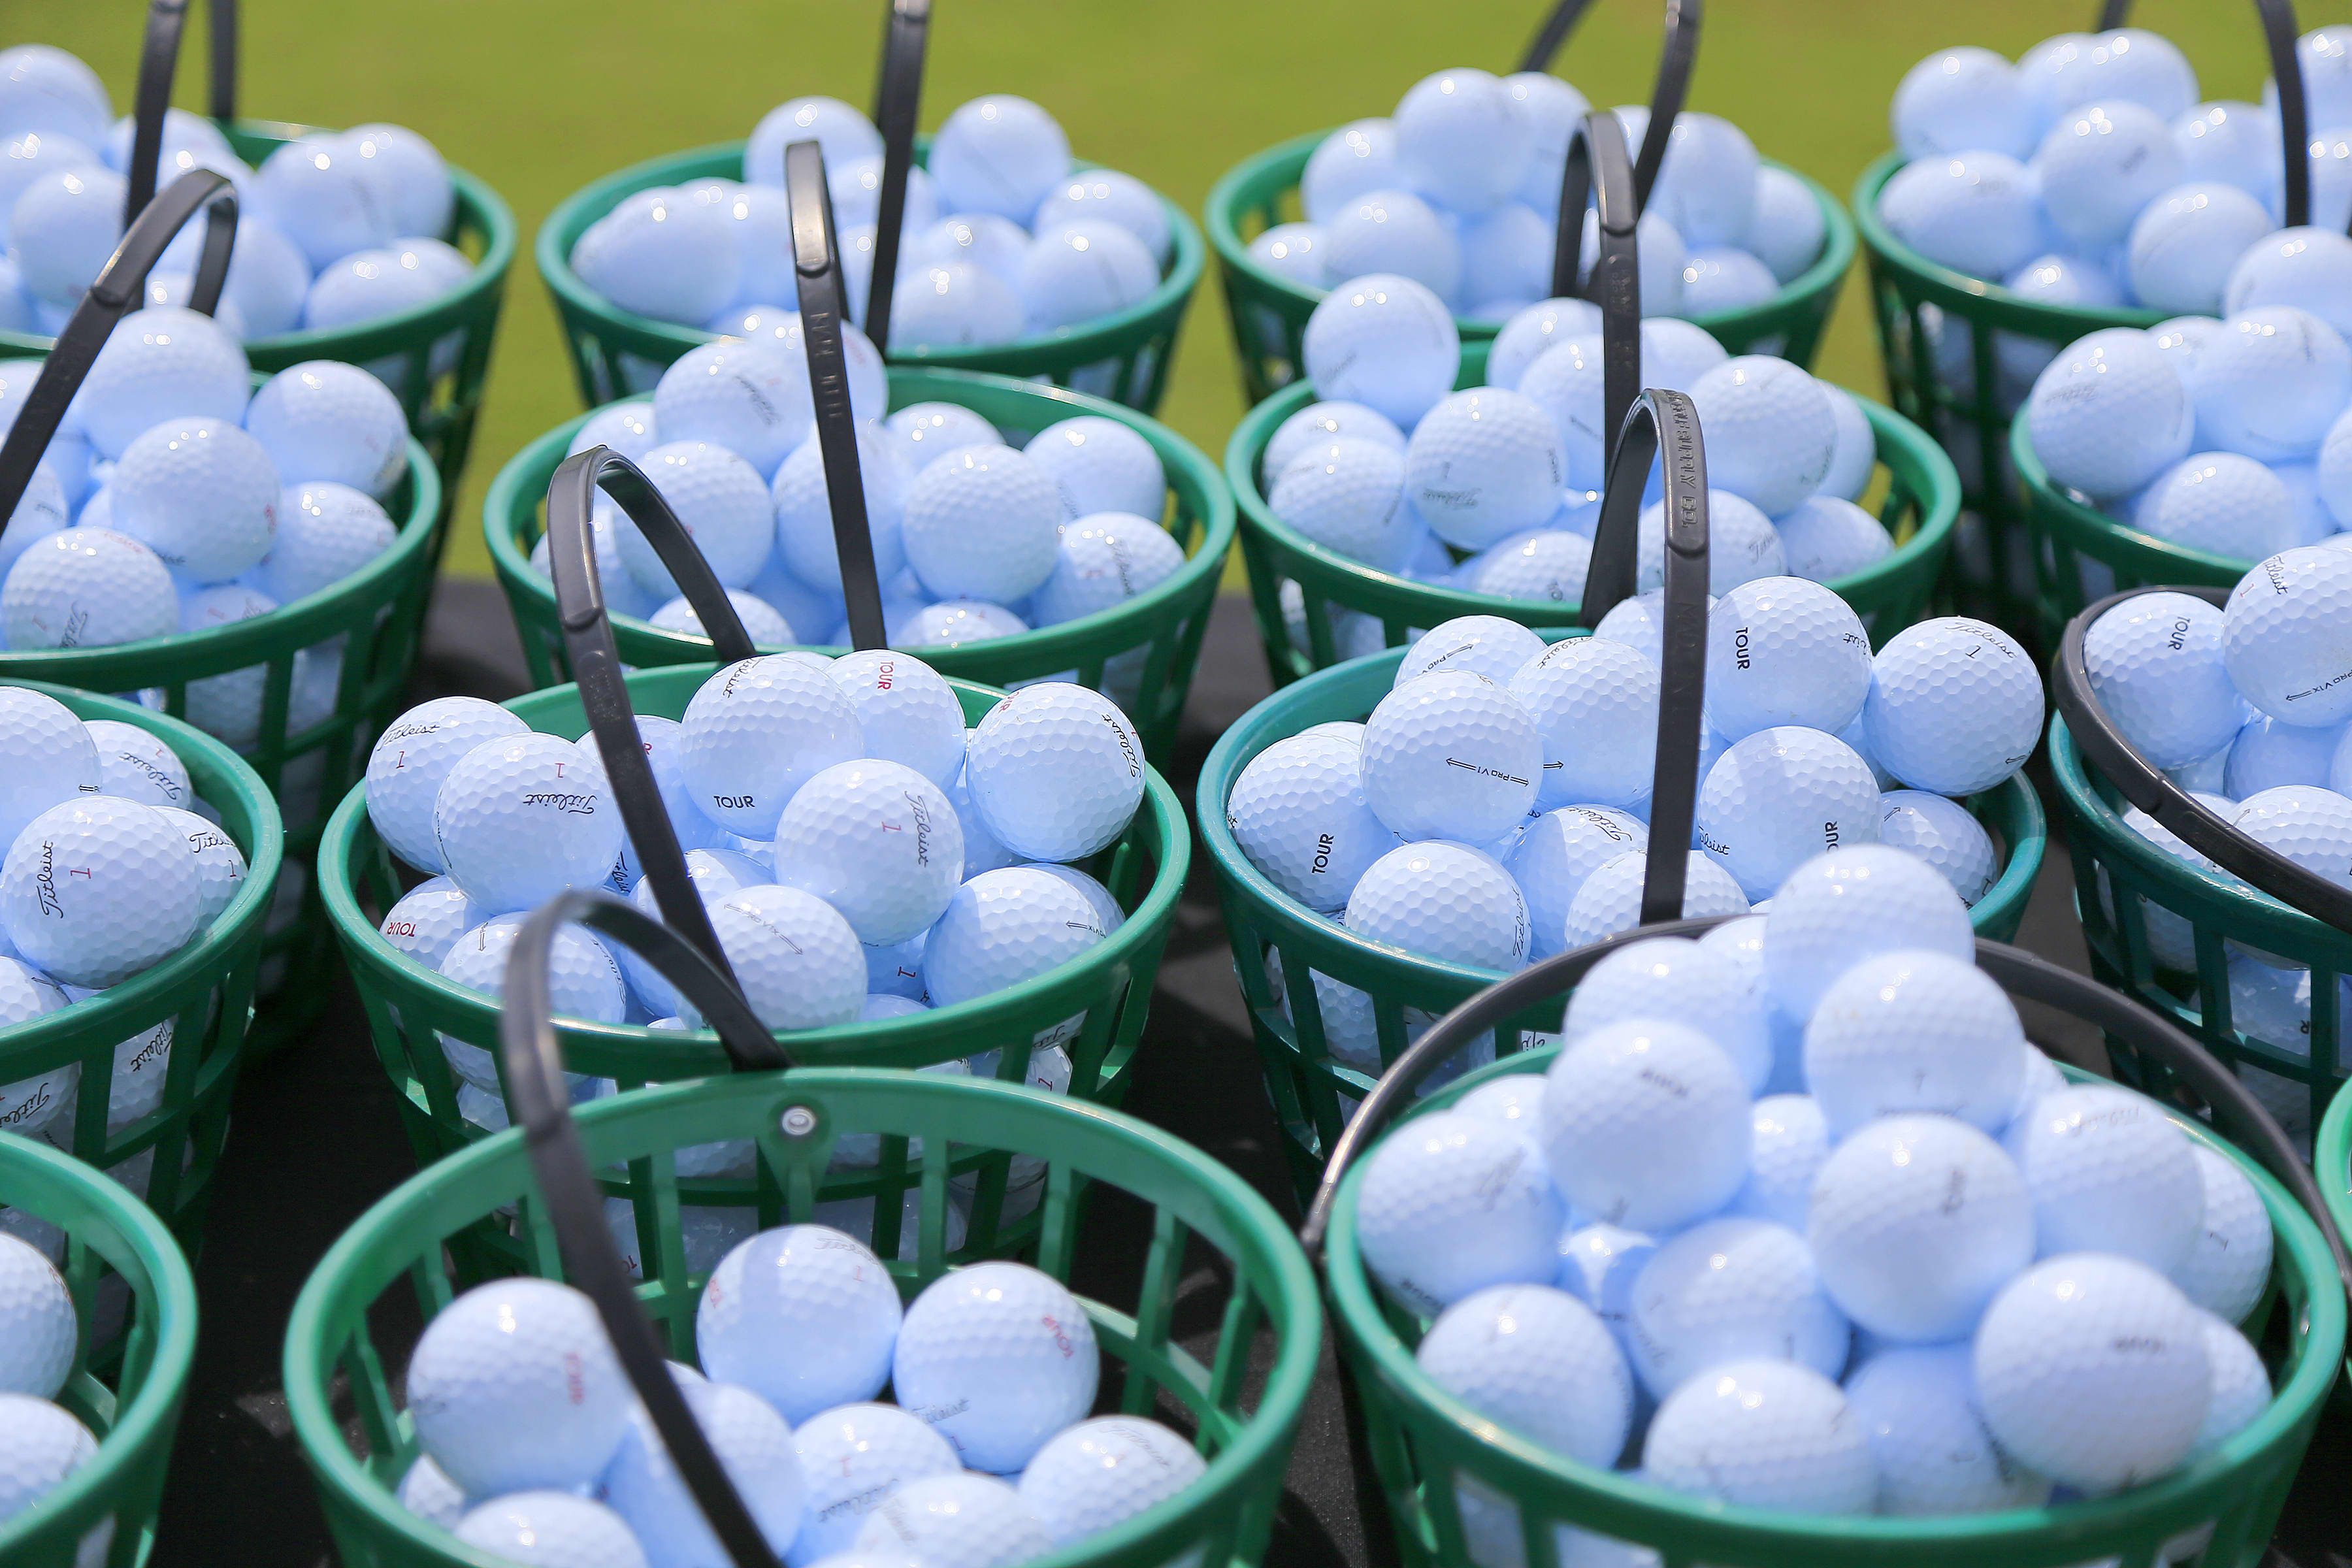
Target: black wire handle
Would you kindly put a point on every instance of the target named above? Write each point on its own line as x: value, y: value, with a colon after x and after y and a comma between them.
x: 1667, y: 94
x: 1553, y: 34
x: 1661, y: 416
x: 2174, y: 808
x: 541, y: 1107
x: 2235, y: 1109
x: 896, y: 97
x: 1597, y: 147
x: 595, y: 660
x: 159, y: 58
x: 823, y: 307
x: 120, y: 286
x: 2294, y: 127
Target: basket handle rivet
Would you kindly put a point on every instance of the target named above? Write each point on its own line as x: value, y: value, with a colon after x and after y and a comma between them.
x: 799, y: 1122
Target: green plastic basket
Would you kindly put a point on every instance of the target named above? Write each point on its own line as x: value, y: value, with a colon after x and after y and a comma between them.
x: 2127, y: 888
x: 2333, y: 1164
x: 1304, y: 1081
x: 1422, y: 1438
x: 1123, y: 357
x: 1268, y: 312
x: 118, y: 1258
x: 1166, y: 623
x: 2079, y: 555
x: 1921, y: 501
x: 203, y: 994
x: 459, y: 325
x: 409, y: 1007
x: 1244, y: 1401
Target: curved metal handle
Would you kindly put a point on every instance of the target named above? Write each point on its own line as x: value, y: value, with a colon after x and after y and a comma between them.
x: 2235, y: 1109
x: 543, y: 1109
x: 1553, y: 34
x: 816, y: 260
x: 1668, y: 92
x: 159, y: 59
x: 596, y: 662
x: 2173, y: 807
x: 116, y: 291
x: 2286, y: 69
x: 1598, y: 147
x: 896, y: 96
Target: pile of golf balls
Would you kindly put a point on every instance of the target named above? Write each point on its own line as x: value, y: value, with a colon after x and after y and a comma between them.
x: 44, y: 1442
x: 1496, y: 489
x: 861, y: 853
x: 2088, y: 176
x: 114, y: 864
x: 333, y: 229
x: 1003, y: 238
x: 2250, y: 709
x: 985, y: 1458
x: 973, y: 538
x: 1459, y: 190
x: 1798, y: 1219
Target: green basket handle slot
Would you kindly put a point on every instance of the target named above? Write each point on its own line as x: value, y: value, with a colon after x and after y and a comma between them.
x: 159, y: 58
x: 2286, y: 69
x: 117, y: 290
x: 895, y: 97
x: 2021, y: 973
x: 595, y: 660
x: 2173, y: 807
x: 816, y: 257
x: 534, y: 1069
x: 1598, y: 147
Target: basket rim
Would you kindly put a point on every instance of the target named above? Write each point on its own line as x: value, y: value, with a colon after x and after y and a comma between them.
x: 698, y: 1051
x: 1223, y: 210
x: 1939, y: 511
x: 2080, y: 800
x: 1319, y: 935
x: 308, y: 1363
x: 516, y: 490
x: 551, y: 250
x: 475, y: 197
x: 2184, y: 1493
x: 120, y: 1007
x: 2331, y: 1157
x: 315, y: 618
x: 1944, y: 287
x: 2071, y: 517
x: 154, y: 1410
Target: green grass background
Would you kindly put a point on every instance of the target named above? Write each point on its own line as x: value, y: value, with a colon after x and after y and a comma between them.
x: 539, y: 98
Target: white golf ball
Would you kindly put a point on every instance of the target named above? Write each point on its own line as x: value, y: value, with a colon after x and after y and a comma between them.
x: 1726, y: 1289
x: 1917, y: 1406
x: 1442, y: 900
x: 1675, y: 980
x: 1762, y: 1434
x: 878, y: 842
x: 1780, y: 796
x: 1556, y: 852
x: 1298, y: 811
x: 514, y: 1386
x: 1595, y: 705
x: 1792, y: 1141
x: 1839, y: 909
x: 1102, y: 1472
x: 1386, y: 342
x: 98, y: 888
x: 2155, y: 663
x: 1537, y: 1361
x: 1955, y: 706
x: 518, y: 819
x: 1913, y: 1032
x: 998, y: 1357
x: 2281, y: 636
x: 2108, y: 1173
x: 803, y: 1316
x: 1619, y: 1097
x: 1452, y: 1204
x: 1056, y: 771
x: 1451, y: 755
x: 760, y: 728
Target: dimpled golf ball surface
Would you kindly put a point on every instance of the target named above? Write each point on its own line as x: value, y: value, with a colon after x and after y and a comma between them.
x: 1913, y: 1031
x: 201, y: 493
x: 550, y: 1527
x: 1741, y: 544
x: 411, y: 759
x: 1792, y: 1139
x: 803, y: 1316
x: 1762, y: 1434
x: 36, y: 1321
x: 514, y: 1386
x: 1488, y: 645
x: 965, y: 1521
x: 2228, y: 1264
x: 854, y: 1456
x: 1595, y: 705
x: 1055, y: 771
x: 219, y: 864
x: 1725, y: 1290
x: 2091, y: 1369
x: 2109, y: 1174
x: 46, y: 757
x: 721, y: 502
x: 1771, y: 433
x: 878, y: 842
x: 1781, y: 650
x: 1611, y: 899
x: 1003, y: 926
x: 1385, y: 341
x: 1674, y: 979
x: 87, y: 587
x: 1537, y: 1361
x: 1780, y: 796
x: 2270, y: 382
x: 1917, y: 1407
x: 1442, y: 900
x: 1298, y: 811
x: 322, y: 420
x: 518, y: 819
x: 998, y: 1357
x: 1102, y: 1472
x: 1484, y: 464
x: 799, y: 962
x: 980, y: 524
x: 1451, y: 755
x: 2110, y: 413
x: 1955, y: 706
x: 98, y: 888
x: 2284, y: 636
x: 40, y: 1446
x: 1620, y: 1099
x: 2155, y: 663
x: 161, y: 362
x: 1942, y: 833
x: 326, y: 532
x: 1452, y: 1203
x: 760, y: 728
x: 1841, y: 907
x: 428, y: 919
x: 134, y: 763
x: 1347, y: 494
x: 1101, y: 465
x: 1556, y: 853
x: 1916, y: 1221
x: 906, y: 712
x: 751, y: 1441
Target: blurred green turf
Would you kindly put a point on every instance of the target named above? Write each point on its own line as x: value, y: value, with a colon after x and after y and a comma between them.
x: 538, y: 98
